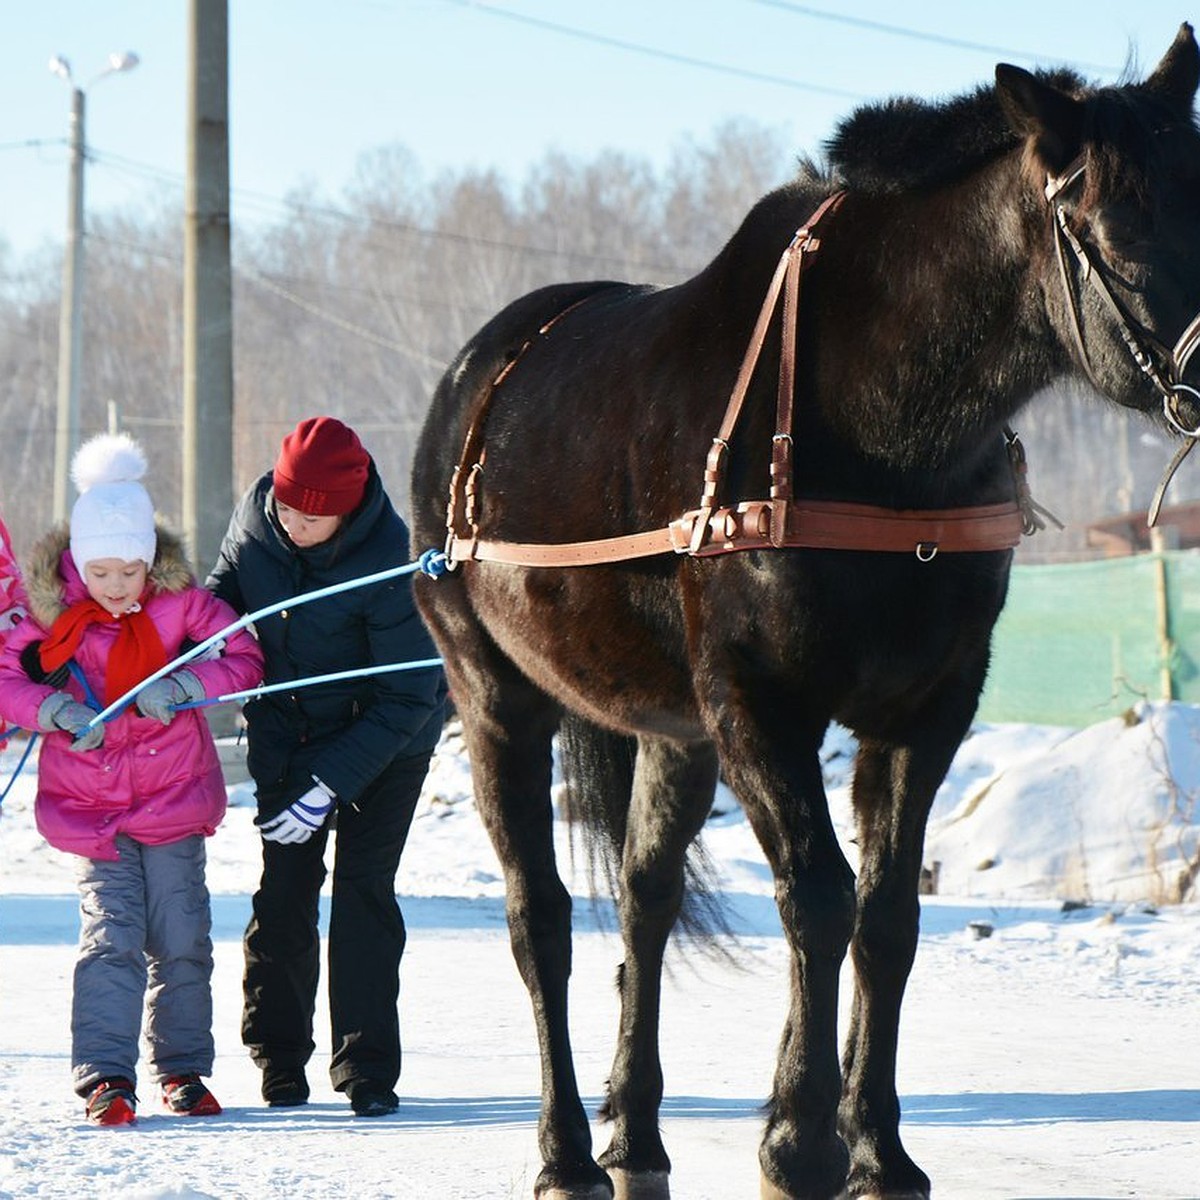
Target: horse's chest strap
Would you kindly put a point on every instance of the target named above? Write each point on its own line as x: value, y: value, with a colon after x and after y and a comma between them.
x: 772, y: 525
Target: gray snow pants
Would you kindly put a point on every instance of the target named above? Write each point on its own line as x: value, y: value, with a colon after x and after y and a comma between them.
x: 144, y: 938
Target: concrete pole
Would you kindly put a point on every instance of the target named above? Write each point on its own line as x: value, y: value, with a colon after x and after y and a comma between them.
x: 70, y: 320
x: 207, y: 305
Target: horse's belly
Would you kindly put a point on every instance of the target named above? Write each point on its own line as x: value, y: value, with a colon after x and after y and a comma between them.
x: 592, y: 648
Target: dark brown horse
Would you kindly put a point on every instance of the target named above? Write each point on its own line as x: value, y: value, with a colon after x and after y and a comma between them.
x: 1033, y: 230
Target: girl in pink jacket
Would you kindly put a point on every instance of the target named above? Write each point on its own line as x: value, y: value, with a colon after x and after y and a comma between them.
x: 112, y: 601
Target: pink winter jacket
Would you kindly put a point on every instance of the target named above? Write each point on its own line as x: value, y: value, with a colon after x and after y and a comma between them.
x: 157, y: 783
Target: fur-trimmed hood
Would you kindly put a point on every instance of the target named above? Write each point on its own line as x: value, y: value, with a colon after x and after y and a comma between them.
x: 54, y: 584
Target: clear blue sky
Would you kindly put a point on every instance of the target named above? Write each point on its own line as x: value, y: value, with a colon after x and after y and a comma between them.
x: 315, y: 83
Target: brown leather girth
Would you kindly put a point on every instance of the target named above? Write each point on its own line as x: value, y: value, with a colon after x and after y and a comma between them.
x: 711, y: 528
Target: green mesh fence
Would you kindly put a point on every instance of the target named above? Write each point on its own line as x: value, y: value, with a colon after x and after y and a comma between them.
x: 1079, y: 642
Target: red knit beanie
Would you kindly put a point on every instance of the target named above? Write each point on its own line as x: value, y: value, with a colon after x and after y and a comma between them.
x: 321, y: 469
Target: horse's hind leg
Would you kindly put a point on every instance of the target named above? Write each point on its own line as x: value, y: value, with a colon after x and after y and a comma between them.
x: 509, y: 724
x: 893, y: 790
x: 672, y: 795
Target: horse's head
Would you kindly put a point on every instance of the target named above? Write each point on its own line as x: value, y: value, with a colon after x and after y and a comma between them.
x: 1121, y: 171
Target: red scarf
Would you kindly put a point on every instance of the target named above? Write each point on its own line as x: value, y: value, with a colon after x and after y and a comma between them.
x: 137, y: 652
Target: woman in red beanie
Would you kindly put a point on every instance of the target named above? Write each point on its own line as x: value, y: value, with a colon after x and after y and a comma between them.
x: 352, y: 754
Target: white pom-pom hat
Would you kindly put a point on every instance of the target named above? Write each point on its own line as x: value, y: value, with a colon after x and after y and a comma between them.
x: 114, y: 515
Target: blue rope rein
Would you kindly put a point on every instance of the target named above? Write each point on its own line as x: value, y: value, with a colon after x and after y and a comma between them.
x: 33, y: 737
x: 91, y: 701
x: 432, y: 563
x: 425, y: 563
x: 292, y: 684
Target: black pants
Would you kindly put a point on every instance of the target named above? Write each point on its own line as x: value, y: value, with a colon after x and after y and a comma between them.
x: 366, y: 939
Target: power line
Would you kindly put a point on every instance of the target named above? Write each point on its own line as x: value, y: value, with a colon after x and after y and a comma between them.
x: 33, y: 143
x: 919, y: 35
x: 303, y: 208
x: 653, y: 52
x: 346, y: 326
x: 276, y: 281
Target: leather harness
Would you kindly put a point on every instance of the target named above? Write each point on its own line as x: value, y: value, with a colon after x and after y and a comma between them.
x: 775, y: 523
x: 1162, y: 366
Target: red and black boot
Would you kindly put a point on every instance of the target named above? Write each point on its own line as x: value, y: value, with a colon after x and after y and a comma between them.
x: 112, y: 1102
x: 187, y: 1096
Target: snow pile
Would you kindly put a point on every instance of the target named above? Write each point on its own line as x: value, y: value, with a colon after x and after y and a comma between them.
x: 1106, y: 813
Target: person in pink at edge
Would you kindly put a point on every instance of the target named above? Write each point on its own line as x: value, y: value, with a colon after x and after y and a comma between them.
x: 112, y: 601
x: 13, y: 602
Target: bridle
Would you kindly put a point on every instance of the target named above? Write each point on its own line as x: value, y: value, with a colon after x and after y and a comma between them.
x: 1167, y: 374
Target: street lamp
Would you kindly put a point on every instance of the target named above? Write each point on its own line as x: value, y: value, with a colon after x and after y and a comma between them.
x: 70, y: 324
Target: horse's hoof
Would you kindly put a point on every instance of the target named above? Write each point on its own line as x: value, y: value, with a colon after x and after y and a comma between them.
x: 768, y: 1191
x: 907, y: 1194
x: 590, y: 1191
x: 904, y: 1194
x: 640, y: 1185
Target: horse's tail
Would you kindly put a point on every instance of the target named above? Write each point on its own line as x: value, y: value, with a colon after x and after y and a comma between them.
x: 597, y: 767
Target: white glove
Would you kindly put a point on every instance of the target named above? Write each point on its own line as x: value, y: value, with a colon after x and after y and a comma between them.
x: 158, y: 698
x: 212, y: 653
x: 63, y: 711
x: 302, y: 818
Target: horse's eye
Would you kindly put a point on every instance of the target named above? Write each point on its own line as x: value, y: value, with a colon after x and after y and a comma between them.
x: 1122, y: 232
x: 1183, y: 204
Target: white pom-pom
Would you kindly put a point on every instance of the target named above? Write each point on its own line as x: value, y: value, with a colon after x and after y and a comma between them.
x: 107, y: 458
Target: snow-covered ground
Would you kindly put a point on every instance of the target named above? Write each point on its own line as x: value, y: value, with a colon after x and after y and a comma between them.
x: 1057, y: 1057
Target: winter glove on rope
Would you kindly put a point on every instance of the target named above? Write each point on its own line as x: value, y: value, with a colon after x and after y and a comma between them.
x: 62, y: 711
x: 158, y: 698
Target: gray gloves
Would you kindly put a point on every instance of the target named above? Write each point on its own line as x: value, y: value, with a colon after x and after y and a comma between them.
x: 63, y: 711
x: 156, y: 699
x: 302, y: 818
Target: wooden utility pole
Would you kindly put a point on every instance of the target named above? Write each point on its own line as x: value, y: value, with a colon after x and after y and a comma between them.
x: 1161, y: 540
x: 208, y: 294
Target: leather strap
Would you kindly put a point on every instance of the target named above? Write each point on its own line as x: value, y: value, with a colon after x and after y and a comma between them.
x: 776, y: 523
x: 465, y: 478
x: 1160, y: 492
x: 1136, y: 337
x: 787, y: 272
x: 807, y: 524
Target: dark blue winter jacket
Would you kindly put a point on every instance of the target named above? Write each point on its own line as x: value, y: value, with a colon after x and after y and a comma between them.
x: 345, y: 732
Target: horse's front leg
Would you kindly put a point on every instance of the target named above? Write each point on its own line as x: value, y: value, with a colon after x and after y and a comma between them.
x: 772, y: 764
x: 894, y: 786
x: 509, y: 725
x: 672, y: 795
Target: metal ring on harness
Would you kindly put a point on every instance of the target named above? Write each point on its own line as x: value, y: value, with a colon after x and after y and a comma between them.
x: 1169, y: 406
x: 926, y: 551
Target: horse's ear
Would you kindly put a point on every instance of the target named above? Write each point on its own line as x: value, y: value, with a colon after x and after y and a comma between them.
x: 1176, y: 77
x: 1051, y: 118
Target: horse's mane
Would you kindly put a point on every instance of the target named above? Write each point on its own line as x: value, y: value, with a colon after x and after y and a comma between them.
x: 903, y: 143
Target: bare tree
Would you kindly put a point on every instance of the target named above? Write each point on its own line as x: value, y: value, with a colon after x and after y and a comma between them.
x: 356, y: 307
